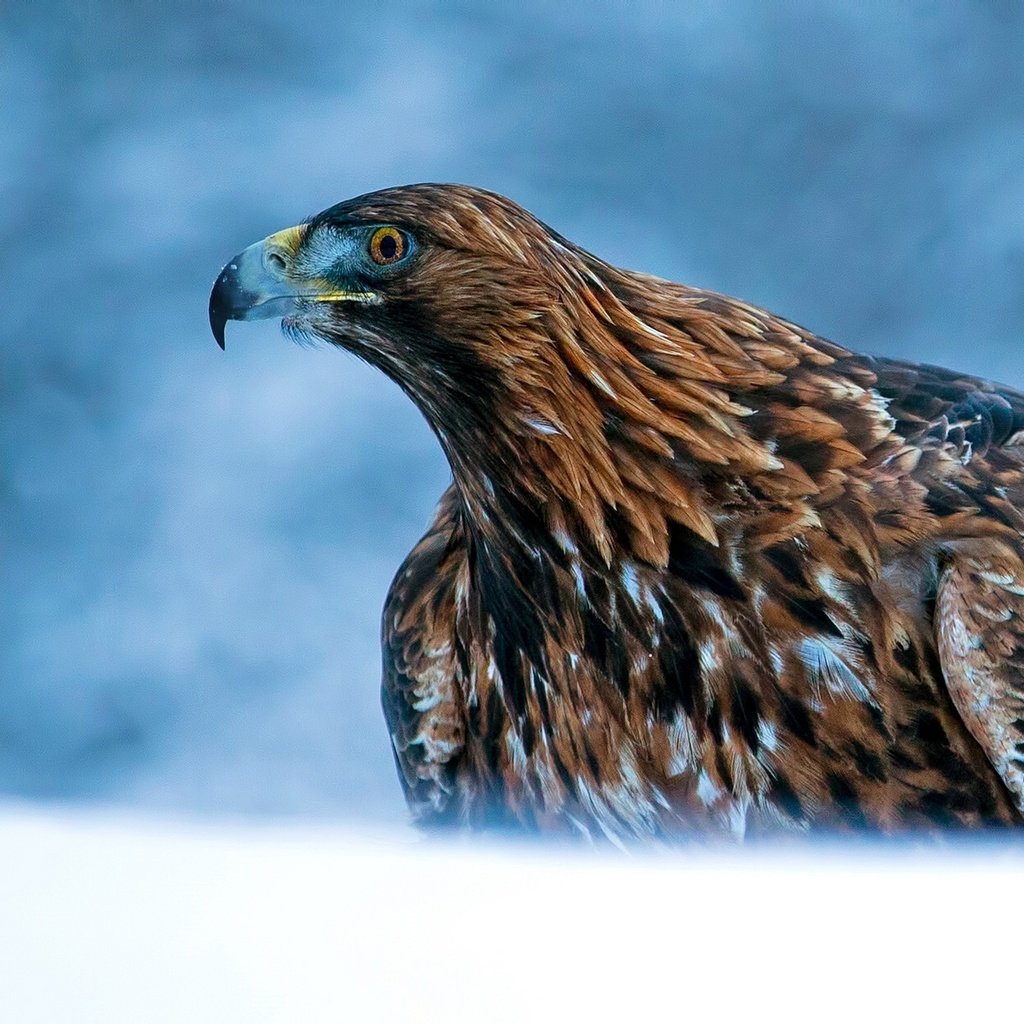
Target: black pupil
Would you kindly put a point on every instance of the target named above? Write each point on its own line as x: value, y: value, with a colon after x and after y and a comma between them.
x: 388, y: 246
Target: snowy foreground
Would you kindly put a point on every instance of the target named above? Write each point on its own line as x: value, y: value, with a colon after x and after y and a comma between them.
x: 113, y: 919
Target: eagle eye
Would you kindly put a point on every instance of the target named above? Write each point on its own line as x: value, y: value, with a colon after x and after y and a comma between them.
x: 387, y: 245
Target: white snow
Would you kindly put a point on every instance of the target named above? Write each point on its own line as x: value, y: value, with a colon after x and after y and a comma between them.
x: 120, y: 919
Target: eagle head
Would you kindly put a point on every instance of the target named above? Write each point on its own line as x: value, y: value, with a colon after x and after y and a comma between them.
x: 440, y: 286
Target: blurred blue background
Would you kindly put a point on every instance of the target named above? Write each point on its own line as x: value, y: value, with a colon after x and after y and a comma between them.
x: 196, y: 545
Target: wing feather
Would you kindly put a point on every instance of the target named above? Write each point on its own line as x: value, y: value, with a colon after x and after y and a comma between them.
x: 980, y: 626
x: 420, y: 691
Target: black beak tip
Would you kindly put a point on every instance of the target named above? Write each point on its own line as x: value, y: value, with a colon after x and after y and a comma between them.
x: 219, y: 313
x: 217, y: 323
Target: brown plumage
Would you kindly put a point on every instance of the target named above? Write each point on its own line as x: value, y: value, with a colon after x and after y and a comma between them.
x: 699, y: 570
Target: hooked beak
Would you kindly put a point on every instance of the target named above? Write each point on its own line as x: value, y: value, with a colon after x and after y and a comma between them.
x: 258, y: 284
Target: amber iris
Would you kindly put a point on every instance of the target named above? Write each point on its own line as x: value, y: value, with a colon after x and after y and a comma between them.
x: 387, y: 245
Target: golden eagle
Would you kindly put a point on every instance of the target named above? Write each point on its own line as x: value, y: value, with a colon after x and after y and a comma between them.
x: 699, y: 570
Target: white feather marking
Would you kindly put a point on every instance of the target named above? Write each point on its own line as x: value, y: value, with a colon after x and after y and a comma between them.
x: 767, y: 736
x: 514, y: 745
x: 640, y: 661
x: 737, y: 818
x: 708, y: 792
x: 577, y: 575
x: 653, y: 331
x: 828, y: 667
x: 564, y: 541
x: 429, y: 700
x: 1007, y: 581
x: 831, y: 585
x: 542, y: 426
x: 707, y: 654
x: 601, y: 382
x: 630, y: 581
x: 683, y: 743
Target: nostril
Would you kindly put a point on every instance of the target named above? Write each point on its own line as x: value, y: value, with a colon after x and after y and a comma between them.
x: 276, y: 262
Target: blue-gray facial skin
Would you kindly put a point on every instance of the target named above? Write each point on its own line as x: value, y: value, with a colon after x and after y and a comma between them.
x: 197, y: 546
x: 294, y: 270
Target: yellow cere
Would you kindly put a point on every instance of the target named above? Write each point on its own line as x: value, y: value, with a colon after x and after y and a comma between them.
x: 287, y: 240
x: 336, y: 296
